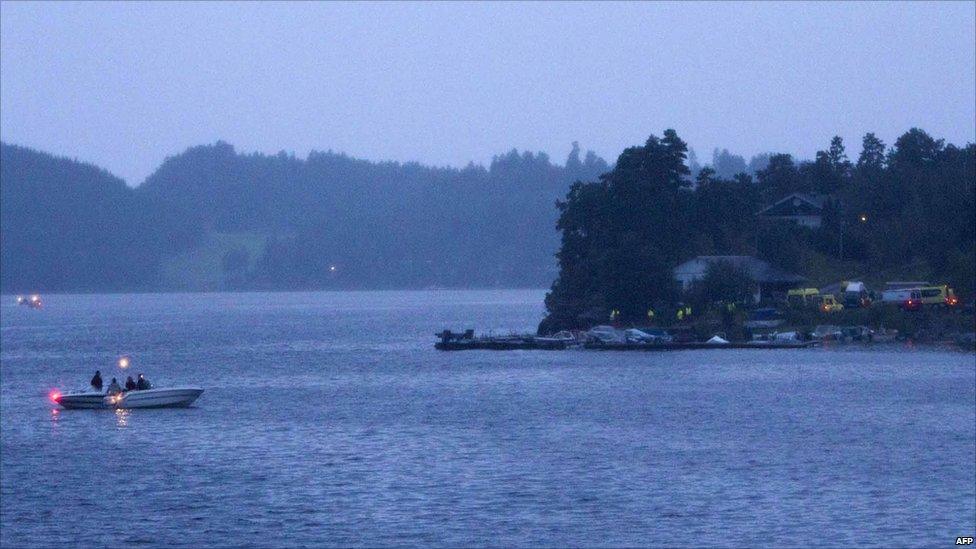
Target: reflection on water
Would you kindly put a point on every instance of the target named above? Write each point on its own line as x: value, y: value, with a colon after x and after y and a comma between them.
x: 122, y: 418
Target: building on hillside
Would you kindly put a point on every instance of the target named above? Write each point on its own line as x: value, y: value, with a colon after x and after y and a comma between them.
x: 804, y: 209
x: 767, y: 278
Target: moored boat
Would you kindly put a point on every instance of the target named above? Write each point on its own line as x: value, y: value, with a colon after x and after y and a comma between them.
x: 32, y: 301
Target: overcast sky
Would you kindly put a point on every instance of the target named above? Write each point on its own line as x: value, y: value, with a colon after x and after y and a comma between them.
x: 124, y: 85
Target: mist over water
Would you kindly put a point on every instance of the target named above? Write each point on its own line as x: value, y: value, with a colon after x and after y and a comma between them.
x: 329, y: 419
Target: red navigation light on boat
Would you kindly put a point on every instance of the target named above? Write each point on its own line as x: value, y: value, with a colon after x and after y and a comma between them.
x: 54, y: 395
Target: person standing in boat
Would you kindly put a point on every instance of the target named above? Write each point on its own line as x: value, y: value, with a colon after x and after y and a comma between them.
x: 130, y: 384
x: 96, y: 381
x: 114, y: 388
x: 143, y: 383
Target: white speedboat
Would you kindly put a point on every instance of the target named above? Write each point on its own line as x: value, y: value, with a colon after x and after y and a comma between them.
x: 166, y: 397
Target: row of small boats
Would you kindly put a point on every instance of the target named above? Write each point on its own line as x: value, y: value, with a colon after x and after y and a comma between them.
x: 604, y: 338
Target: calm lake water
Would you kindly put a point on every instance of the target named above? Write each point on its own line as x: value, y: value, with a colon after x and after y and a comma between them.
x: 329, y: 419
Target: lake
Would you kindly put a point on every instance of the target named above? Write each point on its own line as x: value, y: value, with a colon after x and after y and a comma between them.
x: 329, y: 419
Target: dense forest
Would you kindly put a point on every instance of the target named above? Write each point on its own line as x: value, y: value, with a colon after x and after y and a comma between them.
x: 905, y: 212
x: 211, y: 218
x: 69, y: 226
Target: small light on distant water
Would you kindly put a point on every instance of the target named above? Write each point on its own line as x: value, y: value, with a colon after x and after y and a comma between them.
x: 332, y: 268
x: 54, y: 395
x: 124, y: 362
x: 863, y: 218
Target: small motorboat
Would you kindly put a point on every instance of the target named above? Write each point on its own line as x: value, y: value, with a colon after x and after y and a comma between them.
x: 166, y: 397
x: 32, y: 301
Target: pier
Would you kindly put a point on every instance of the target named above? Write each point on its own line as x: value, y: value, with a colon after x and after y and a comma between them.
x: 467, y: 341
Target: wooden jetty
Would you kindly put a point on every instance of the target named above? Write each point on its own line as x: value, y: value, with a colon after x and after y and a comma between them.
x: 697, y: 345
x: 467, y: 341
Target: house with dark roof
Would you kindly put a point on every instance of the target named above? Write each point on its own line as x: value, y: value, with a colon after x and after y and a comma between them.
x: 804, y: 209
x: 767, y: 278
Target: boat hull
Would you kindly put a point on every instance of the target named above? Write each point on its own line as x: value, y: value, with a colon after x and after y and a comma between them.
x: 174, y: 397
x: 89, y: 401
x: 170, y: 397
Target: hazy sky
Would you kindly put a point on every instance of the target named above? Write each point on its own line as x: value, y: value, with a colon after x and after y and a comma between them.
x: 124, y: 85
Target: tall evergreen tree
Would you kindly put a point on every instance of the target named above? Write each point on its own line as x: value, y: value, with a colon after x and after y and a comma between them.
x: 872, y: 155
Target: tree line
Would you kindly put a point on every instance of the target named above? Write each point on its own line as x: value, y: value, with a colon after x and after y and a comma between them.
x: 907, y: 210
x: 321, y: 222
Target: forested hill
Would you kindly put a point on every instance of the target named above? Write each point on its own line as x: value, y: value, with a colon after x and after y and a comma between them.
x: 211, y: 218
x: 69, y: 226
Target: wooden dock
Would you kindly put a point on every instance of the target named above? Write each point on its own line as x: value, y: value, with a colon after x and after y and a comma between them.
x: 697, y: 346
x: 500, y: 345
x: 531, y: 344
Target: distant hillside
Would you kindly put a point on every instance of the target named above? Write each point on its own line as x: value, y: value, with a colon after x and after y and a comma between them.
x: 69, y: 226
x: 210, y: 218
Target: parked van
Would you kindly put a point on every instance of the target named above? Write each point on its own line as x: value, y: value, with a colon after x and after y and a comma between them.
x: 938, y: 295
x: 909, y: 299
x: 914, y: 298
x: 803, y: 297
x: 906, y: 285
x: 856, y: 295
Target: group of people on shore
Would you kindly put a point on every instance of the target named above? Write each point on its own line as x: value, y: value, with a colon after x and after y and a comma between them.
x: 114, y: 388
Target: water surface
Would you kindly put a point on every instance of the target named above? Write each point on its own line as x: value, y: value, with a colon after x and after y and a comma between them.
x: 329, y: 419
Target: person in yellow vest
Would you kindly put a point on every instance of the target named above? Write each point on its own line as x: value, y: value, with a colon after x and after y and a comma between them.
x: 681, y: 315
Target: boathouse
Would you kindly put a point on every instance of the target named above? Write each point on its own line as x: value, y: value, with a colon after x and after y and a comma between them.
x: 767, y: 278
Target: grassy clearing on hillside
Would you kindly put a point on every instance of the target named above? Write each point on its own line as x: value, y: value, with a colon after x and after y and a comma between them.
x: 203, y: 269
